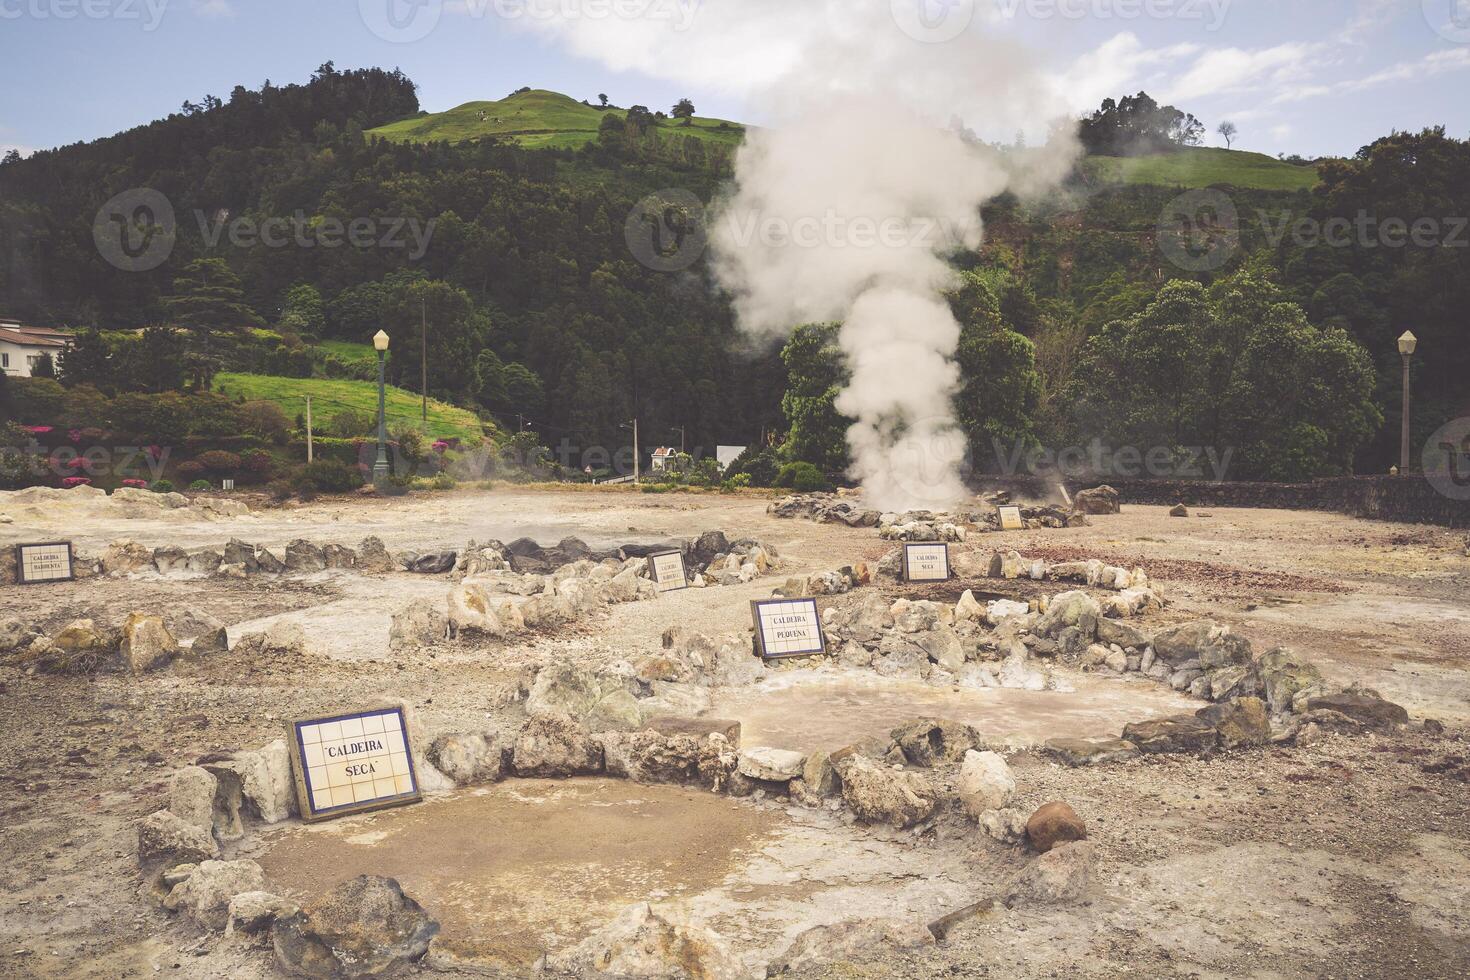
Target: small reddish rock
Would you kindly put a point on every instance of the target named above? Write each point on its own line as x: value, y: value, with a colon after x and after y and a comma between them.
x: 1052, y: 824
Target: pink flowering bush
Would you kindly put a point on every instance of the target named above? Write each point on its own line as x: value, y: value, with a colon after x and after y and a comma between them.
x: 72, y: 482
x: 136, y: 484
x: 441, y: 447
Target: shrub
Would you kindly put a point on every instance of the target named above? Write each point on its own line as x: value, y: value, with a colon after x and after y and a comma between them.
x: 442, y: 481
x: 213, y: 416
x: 135, y: 484
x: 72, y: 482
x: 189, y: 471
x: 84, y: 406
x: 219, y: 462
x: 258, y: 463
x: 352, y: 424
x: 198, y: 485
x: 36, y: 401
x: 164, y: 418
x: 760, y: 464
x: 803, y: 478
x: 737, y: 482
x: 264, y: 420
x: 328, y: 476
x: 164, y: 486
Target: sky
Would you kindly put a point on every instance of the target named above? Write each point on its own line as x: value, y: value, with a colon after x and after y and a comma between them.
x: 1311, y: 77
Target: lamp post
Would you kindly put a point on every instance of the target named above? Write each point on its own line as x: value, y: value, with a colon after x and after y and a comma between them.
x: 1407, y: 343
x: 380, y: 468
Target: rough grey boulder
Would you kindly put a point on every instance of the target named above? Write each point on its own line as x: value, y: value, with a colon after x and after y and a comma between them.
x: 930, y: 742
x: 205, y: 895
x: 373, y: 557
x: 1089, y: 751
x: 1286, y: 676
x: 1241, y: 722
x: 1070, y: 609
x: 1058, y: 877
x: 364, y: 927
x: 1205, y: 641
x: 166, y: 840
x: 1179, y: 733
x: 1363, y: 707
x: 303, y: 556
x: 1097, y: 500
x: 253, y: 913
x: 852, y: 941
x: 647, y: 942
x: 879, y: 794
x: 555, y: 746
x: 468, y: 759
x: 684, y: 757
x: 600, y: 702
x: 146, y: 643
x: 985, y: 783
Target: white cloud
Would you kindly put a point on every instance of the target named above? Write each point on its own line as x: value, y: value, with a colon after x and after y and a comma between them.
x: 1120, y: 65
x: 1237, y: 70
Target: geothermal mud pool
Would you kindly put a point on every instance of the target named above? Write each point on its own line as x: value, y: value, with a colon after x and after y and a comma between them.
x: 806, y: 710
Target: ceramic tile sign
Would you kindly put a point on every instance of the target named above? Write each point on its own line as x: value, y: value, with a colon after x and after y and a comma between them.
x: 352, y: 763
x: 787, y: 628
x: 668, y: 571
x: 50, y: 562
x: 926, y: 562
x: 1010, y: 519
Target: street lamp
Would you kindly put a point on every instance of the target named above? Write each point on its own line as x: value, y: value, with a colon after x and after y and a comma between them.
x: 1407, y: 343
x: 380, y: 468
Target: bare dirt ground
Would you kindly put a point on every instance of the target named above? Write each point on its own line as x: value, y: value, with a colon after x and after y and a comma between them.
x: 1349, y: 857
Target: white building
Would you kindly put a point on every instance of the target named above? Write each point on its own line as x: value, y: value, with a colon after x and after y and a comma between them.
x: 21, y: 348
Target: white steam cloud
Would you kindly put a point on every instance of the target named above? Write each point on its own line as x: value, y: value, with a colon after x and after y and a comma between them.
x: 847, y: 204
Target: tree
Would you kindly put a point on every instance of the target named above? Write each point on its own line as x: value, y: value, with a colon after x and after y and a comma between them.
x: 602, y: 99
x: 1138, y: 125
x: 1000, y: 388
x: 815, y: 374
x: 1227, y: 129
x: 303, y: 312
x: 208, y: 301
x: 684, y: 109
x: 87, y: 361
x: 45, y: 366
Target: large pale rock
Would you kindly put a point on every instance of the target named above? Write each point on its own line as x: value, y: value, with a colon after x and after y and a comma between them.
x: 170, y: 559
x: 878, y: 794
x: 205, y: 895
x: 125, y: 558
x: 852, y: 941
x: 1059, y: 877
x: 555, y: 746
x: 968, y: 609
x: 1097, y: 500
x: 1070, y: 609
x: 1114, y: 632
x: 303, y: 556
x: 472, y: 610
x: 191, y: 796
x: 364, y: 927
x: 930, y: 742
x: 1240, y: 721
x: 544, y: 612
x: 1089, y: 751
x: 998, y: 610
x: 421, y: 623
x: 13, y: 633
x: 468, y: 759
x: 146, y: 643
x: 919, y: 616
x: 774, y: 765
x: 683, y: 753
x: 252, y: 914
x: 166, y: 840
x: 1366, y: 709
x: 266, y: 789
x: 1052, y: 824
x: 1205, y: 641
x: 1179, y: 733
x: 644, y: 942
x: 985, y: 783
x: 373, y: 557
x: 600, y: 702
x: 1288, y: 679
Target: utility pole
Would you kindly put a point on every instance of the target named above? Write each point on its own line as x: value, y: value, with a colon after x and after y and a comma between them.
x: 637, y: 454
x: 680, y: 429
x: 308, y: 429
x: 424, y: 357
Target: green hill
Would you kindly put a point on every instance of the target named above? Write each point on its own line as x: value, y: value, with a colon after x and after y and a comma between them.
x: 537, y: 119
x: 330, y: 397
x: 1202, y: 167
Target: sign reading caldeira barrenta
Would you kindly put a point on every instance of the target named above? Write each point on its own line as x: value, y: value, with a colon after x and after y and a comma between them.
x: 48, y: 562
x: 351, y: 763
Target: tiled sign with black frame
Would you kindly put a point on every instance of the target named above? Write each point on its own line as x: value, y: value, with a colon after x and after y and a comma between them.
x: 787, y: 628
x: 1010, y: 519
x: 668, y: 571
x: 926, y: 562
x: 47, y: 562
x: 353, y: 763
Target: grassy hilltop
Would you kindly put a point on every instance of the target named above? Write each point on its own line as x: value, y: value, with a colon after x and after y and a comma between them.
x: 1202, y: 166
x: 538, y: 119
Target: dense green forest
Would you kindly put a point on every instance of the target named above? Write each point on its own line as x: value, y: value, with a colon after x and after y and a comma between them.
x: 1077, y: 323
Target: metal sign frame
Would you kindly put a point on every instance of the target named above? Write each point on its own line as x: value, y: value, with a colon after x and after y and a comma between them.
x: 20, y: 563
x: 301, y: 775
x: 907, y: 573
x: 658, y: 582
x: 763, y: 645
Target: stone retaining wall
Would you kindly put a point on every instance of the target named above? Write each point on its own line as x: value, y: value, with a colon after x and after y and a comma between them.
x: 1409, y: 499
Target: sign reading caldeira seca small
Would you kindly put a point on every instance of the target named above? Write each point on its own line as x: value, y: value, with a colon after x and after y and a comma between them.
x: 49, y: 562
x: 787, y: 628
x: 926, y: 562
x: 352, y: 763
x: 668, y: 571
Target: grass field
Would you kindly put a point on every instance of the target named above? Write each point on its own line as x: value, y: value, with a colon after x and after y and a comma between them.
x: 348, y: 352
x: 1203, y: 167
x: 330, y: 397
x: 538, y: 119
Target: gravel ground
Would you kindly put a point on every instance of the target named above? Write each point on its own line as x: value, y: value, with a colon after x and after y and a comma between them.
x: 1345, y: 858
